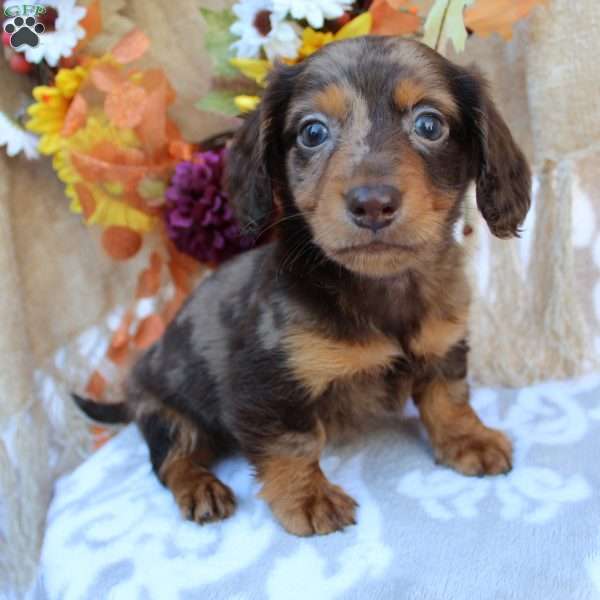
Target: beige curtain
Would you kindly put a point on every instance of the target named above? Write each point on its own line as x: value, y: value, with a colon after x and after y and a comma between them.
x: 536, y: 318
x: 531, y: 321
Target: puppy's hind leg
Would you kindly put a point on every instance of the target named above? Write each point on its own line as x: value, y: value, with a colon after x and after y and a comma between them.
x: 181, y: 454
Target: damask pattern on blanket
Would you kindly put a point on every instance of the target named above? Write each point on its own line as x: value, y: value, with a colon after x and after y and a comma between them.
x: 113, y: 531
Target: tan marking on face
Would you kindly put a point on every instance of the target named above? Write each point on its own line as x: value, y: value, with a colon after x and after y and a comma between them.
x: 438, y: 335
x: 424, y: 207
x: 317, y: 360
x: 459, y: 439
x: 407, y: 93
x: 410, y: 92
x: 426, y: 82
x: 325, y: 202
x: 333, y: 102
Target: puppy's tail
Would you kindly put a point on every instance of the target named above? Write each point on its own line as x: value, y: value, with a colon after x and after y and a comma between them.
x: 102, y: 412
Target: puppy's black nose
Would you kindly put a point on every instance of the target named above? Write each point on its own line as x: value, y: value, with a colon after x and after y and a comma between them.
x: 373, y: 206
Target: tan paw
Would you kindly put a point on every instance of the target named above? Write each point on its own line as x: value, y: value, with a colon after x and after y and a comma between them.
x: 201, y: 497
x: 481, y: 452
x: 324, y: 508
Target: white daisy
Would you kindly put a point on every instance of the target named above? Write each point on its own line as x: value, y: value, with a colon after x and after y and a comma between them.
x: 258, y: 27
x: 17, y: 139
x: 60, y: 42
x: 314, y: 11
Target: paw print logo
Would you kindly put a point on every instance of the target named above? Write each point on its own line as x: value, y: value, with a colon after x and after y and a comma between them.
x: 23, y: 32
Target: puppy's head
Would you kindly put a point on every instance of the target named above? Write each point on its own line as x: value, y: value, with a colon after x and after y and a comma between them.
x: 370, y: 145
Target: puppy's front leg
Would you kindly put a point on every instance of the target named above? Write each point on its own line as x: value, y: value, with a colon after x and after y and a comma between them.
x: 301, y: 497
x: 460, y: 440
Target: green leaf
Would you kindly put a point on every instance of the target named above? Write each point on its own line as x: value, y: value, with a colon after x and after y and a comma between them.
x: 445, y: 21
x: 218, y: 39
x: 219, y: 101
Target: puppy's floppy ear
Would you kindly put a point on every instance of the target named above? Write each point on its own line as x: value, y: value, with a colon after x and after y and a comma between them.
x: 248, y: 185
x: 256, y: 164
x: 502, y: 174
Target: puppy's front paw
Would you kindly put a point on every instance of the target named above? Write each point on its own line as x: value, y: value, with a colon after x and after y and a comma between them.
x: 481, y: 452
x: 324, y: 508
x: 201, y: 497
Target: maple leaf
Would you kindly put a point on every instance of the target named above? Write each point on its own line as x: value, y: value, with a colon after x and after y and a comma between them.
x: 394, y: 17
x: 498, y: 16
x: 445, y: 22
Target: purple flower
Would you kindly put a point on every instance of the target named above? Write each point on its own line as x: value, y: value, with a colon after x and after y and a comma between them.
x: 198, y: 217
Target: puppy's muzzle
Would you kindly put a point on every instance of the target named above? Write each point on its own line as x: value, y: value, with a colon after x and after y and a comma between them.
x: 373, y: 206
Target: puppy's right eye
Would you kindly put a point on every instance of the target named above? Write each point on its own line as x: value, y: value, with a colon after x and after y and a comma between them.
x: 313, y: 134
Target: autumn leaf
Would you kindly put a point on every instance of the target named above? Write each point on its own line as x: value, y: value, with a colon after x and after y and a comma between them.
x: 131, y: 47
x: 150, y: 329
x: 444, y: 22
x: 121, y: 243
x: 498, y: 16
x: 389, y: 20
x: 219, y: 101
x: 360, y: 25
x: 91, y: 24
x: 96, y: 385
x: 403, y: 5
x: 75, y: 117
x: 124, y: 105
x: 150, y: 278
x: 218, y: 39
x: 106, y: 77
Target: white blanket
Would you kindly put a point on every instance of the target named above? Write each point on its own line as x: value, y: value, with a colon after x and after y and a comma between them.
x: 424, y: 532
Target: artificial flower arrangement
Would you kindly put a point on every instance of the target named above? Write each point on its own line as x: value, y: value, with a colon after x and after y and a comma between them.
x: 126, y: 168
x: 246, y: 41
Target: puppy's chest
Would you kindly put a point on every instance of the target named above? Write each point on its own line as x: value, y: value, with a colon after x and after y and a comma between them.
x: 354, y: 405
x: 319, y: 362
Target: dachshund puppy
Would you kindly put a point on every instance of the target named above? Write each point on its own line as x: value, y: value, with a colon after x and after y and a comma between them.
x: 365, y: 150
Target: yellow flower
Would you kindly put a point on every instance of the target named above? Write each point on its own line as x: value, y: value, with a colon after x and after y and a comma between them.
x: 52, y: 104
x: 258, y: 69
x: 109, y: 208
x: 253, y: 68
x: 96, y: 129
x: 111, y: 211
x: 47, y: 117
x: 246, y: 103
x: 68, y: 81
x: 360, y: 25
x: 314, y: 40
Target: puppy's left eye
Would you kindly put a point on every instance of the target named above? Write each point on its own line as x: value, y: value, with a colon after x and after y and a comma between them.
x: 313, y: 134
x: 429, y: 126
